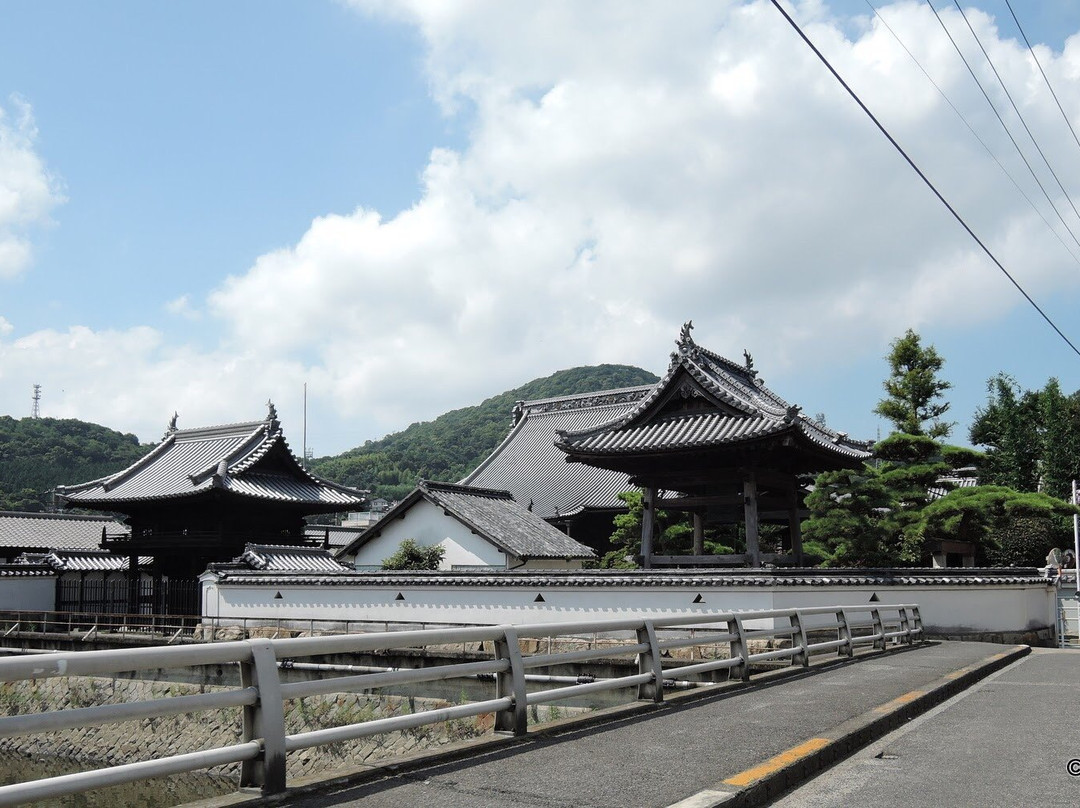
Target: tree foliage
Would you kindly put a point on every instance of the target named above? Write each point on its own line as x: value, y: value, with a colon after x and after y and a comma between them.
x: 1032, y: 437
x: 913, y: 390
x: 37, y: 454
x: 412, y: 556
x: 453, y: 444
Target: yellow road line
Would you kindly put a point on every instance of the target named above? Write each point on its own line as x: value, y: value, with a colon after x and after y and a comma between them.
x: 778, y: 762
x: 899, y: 701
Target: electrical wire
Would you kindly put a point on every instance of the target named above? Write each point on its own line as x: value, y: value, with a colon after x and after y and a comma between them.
x: 1016, y: 109
x: 1004, y: 126
x: 1050, y: 87
x: 960, y: 219
x: 974, y: 134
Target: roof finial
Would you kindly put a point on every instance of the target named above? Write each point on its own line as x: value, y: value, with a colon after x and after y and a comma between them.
x: 172, y: 421
x: 749, y: 359
x: 271, y: 414
x: 684, y: 336
x: 686, y: 344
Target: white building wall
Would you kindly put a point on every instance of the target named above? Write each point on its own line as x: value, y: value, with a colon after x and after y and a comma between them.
x: 28, y: 594
x: 427, y: 525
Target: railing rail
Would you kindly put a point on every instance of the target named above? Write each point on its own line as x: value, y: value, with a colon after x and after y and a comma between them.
x: 752, y: 637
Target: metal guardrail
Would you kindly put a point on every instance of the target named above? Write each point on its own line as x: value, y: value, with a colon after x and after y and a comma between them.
x: 265, y: 745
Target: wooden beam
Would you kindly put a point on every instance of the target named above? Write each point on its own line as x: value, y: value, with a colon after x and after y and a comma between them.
x: 699, y: 534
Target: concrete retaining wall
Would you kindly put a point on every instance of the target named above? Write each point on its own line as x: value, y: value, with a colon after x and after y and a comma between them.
x: 155, y: 738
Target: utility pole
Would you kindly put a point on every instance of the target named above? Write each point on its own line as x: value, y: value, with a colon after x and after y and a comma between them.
x: 35, y: 410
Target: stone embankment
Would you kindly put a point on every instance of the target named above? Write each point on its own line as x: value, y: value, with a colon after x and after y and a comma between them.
x: 127, y: 742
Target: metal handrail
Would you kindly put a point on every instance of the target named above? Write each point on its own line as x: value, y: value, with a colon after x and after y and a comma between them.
x: 262, y: 754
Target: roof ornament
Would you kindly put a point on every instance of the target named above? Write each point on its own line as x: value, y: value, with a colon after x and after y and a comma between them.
x: 172, y: 423
x: 519, y: 412
x: 687, y: 346
x: 749, y: 358
x: 792, y: 413
x: 271, y: 414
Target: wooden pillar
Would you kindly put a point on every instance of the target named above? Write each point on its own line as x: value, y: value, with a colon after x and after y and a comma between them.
x: 699, y: 534
x: 648, y: 526
x: 795, y: 525
x: 750, y: 515
x: 133, y: 584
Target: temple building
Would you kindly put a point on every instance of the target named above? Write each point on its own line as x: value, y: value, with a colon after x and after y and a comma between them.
x: 578, y: 499
x: 201, y: 496
x: 711, y: 440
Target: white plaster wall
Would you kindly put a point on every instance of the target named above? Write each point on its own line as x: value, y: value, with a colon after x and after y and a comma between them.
x: 945, y: 609
x: 427, y: 525
x: 28, y: 594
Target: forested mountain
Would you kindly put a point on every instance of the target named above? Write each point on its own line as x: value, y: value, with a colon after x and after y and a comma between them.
x: 447, y: 448
x: 37, y: 454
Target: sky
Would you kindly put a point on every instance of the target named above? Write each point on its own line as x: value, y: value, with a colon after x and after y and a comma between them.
x: 408, y: 207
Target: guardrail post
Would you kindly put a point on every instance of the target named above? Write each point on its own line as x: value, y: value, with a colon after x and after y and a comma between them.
x: 650, y: 662
x: 916, y: 620
x: 514, y: 721
x: 265, y: 719
x: 799, y: 636
x: 879, y: 630
x: 843, y: 632
x: 905, y: 626
x: 739, y: 649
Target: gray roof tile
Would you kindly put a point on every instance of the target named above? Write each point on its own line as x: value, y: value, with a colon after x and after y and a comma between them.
x: 249, y: 459
x: 45, y: 531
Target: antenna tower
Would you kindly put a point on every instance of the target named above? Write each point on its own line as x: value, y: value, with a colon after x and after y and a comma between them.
x: 35, y: 410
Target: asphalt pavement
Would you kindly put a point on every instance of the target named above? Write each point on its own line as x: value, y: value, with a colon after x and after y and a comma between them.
x: 737, y: 746
x: 1012, y: 739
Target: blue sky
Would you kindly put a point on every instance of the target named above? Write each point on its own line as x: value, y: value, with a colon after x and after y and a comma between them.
x: 411, y: 207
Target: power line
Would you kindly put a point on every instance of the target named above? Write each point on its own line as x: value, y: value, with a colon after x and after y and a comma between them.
x: 974, y: 134
x: 1050, y: 87
x: 1016, y: 109
x: 922, y: 176
x: 1004, y: 126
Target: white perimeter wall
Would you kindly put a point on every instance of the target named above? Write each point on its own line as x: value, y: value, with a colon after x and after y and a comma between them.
x: 28, y: 594
x: 945, y: 609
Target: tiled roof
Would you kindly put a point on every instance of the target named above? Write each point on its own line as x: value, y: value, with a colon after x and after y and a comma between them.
x: 46, y: 531
x: 923, y: 576
x: 285, y: 558
x: 335, y: 536
x: 960, y: 478
x: 493, y: 515
x: 249, y: 459
x: 740, y: 409
x: 534, y: 470
x: 91, y: 561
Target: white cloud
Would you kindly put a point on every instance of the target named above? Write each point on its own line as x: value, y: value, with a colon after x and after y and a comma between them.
x: 28, y: 192
x: 181, y: 307
x: 629, y: 167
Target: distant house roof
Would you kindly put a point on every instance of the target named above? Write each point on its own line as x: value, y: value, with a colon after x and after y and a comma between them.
x: 278, y: 558
x: 333, y: 537
x: 967, y: 477
x: 46, y: 531
x: 249, y: 460
x: 534, y: 470
x: 706, y: 401
x: 80, y: 561
x: 493, y: 515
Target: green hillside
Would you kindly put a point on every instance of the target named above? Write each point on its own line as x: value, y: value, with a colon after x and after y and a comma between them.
x: 453, y: 444
x: 37, y: 454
